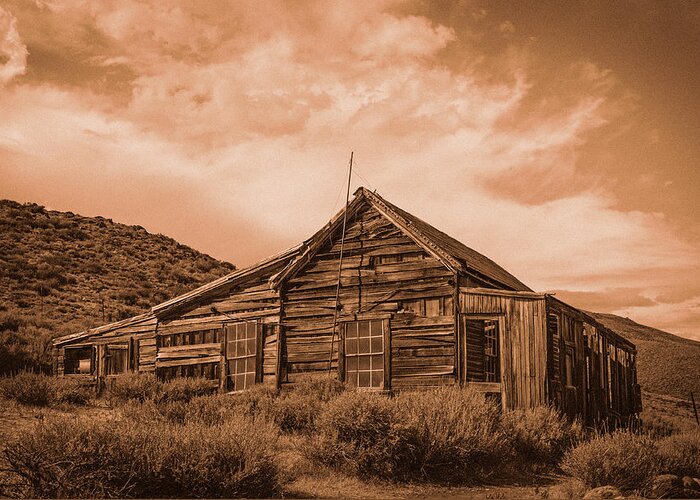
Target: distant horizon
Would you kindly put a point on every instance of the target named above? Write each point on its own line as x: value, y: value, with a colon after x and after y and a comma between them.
x: 560, y: 139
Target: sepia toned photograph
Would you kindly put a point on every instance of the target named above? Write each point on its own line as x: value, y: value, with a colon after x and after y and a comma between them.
x: 350, y: 249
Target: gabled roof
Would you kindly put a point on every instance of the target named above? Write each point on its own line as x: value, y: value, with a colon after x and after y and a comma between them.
x: 454, y: 254
x: 468, y: 257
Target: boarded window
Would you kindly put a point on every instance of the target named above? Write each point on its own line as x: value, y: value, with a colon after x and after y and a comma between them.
x: 364, y: 353
x: 242, y: 355
x: 116, y: 359
x: 481, y: 350
x: 79, y: 361
x: 438, y: 306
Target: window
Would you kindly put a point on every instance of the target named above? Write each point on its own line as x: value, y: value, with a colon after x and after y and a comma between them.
x: 242, y: 355
x: 116, y: 359
x: 480, y: 347
x: 570, y: 358
x: 190, y: 338
x: 397, y: 258
x: 209, y: 371
x: 364, y: 353
x: 437, y: 306
x: 79, y: 361
x: 492, y: 369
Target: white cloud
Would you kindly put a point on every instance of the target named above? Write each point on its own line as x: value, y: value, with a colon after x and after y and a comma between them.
x: 13, y: 53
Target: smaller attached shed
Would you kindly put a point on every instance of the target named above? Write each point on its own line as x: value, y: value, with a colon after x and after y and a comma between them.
x: 391, y: 304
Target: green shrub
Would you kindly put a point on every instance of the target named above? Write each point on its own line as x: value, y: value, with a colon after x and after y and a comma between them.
x: 82, y: 458
x: 680, y: 454
x: 542, y: 434
x: 359, y: 432
x: 186, y: 388
x: 455, y: 434
x: 135, y: 386
x: 622, y: 459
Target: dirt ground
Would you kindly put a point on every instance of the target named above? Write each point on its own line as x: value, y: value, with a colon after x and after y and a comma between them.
x: 306, y: 480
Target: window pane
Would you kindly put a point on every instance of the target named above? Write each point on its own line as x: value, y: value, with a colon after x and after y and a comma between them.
x: 363, y: 328
x: 351, y: 363
x: 351, y: 330
x: 376, y: 344
x: 251, y: 346
x: 363, y: 345
x: 363, y: 362
x: 352, y: 379
x: 249, y: 380
x: 351, y: 346
x: 239, y: 382
x: 364, y: 379
x: 377, y: 378
x: 376, y: 328
x: 377, y: 362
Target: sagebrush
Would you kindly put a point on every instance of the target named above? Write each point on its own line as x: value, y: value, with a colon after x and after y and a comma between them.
x: 83, y: 458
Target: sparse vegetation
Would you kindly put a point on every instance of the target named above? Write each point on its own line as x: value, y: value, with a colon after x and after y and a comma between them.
x: 62, y: 273
x: 541, y: 435
x: 622, y: 459
x: 81, y: 458
x: 36, y: 389
x: 455, y: 434
x: 680, y: 454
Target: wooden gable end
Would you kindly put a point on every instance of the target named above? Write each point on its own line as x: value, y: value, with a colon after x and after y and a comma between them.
x: 385, y: 275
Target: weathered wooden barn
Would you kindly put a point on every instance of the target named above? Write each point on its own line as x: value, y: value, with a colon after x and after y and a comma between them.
x: 414, y: 309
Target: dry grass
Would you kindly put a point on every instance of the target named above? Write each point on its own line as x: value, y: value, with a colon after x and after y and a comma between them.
x: 42, y: 390
x: 680, y: 454
x: 622, y: 459
x: 80, y: 458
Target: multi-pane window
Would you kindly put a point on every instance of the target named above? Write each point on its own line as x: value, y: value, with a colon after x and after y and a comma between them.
x: 79, y: 361
x: 492, y: 369
x: 364, y: 353
x: 241, y: 355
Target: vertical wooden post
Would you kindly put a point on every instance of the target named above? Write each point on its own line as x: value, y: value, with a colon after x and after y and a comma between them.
x: 222, y: 361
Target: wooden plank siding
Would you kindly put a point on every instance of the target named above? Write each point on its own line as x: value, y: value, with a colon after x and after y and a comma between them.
x: 381, y: 269
x: 252, y: 301
x: 523, y: 342
x: 603, y: 385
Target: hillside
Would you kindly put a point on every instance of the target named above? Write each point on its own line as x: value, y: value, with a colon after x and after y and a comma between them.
x: 61, y: 272
x: 667, y: 364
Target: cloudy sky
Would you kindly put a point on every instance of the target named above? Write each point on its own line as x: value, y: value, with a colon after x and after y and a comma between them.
x: 561, y: 139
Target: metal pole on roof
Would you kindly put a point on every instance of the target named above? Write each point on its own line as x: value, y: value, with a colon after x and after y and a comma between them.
x: 340, y: 267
